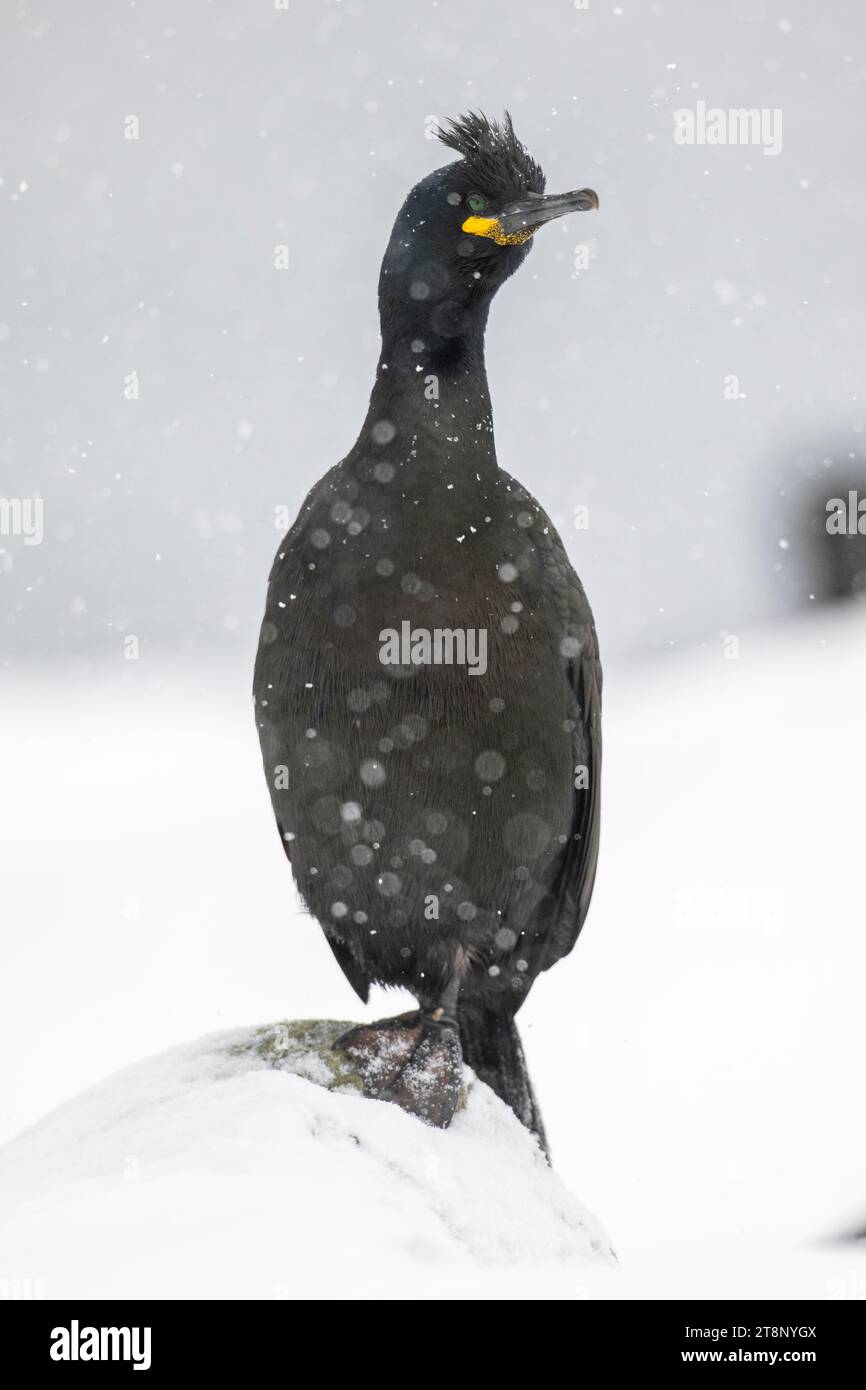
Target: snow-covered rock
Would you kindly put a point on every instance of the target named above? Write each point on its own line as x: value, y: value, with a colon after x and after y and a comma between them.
x: 247, y: 1164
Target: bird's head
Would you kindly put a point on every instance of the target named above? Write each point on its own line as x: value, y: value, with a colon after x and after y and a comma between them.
x: 465, y: 228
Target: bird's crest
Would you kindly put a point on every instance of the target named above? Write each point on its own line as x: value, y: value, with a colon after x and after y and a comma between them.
x: 497, y: 161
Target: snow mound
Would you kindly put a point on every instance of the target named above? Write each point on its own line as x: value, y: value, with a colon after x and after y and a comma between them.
x: 227, y: 1168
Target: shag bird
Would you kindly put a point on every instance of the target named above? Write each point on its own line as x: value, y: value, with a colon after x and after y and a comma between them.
x: 428, y: 684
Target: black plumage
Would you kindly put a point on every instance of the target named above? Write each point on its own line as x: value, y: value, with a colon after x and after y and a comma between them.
x: 442, y: 822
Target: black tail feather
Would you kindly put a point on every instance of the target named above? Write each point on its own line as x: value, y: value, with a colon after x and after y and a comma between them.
x: 492, y: 1048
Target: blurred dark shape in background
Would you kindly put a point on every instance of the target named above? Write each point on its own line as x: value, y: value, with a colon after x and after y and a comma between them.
x: 833, y: 527
x: 821, y: 522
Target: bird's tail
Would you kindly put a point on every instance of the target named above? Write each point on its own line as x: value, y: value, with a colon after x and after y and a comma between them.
x: 492, y: 1048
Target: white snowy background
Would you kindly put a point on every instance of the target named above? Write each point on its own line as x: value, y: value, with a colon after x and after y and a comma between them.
x: 699, y: 1057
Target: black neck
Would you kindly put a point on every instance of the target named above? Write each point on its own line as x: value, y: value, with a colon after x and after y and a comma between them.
x: 437, y: 403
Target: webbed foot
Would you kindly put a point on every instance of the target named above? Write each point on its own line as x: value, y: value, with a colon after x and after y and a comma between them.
x: 414, y: 1061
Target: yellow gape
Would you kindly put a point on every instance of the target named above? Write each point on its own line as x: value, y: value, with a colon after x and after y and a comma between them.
x: 488, y: 226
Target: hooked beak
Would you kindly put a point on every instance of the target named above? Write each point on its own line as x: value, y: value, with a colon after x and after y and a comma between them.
x: 529, y: 213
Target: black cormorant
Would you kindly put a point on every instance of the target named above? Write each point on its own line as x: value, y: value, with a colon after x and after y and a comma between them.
x: 428, y: 685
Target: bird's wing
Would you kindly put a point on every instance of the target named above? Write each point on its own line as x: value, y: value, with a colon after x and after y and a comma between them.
x: 351, y: 969
x: 357, y: 978
x: 287, y: 568
x: 572, y: 889
x: 562, y: 911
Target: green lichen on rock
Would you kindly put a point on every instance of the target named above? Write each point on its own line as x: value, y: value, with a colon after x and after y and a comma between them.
x: 305, y: 1047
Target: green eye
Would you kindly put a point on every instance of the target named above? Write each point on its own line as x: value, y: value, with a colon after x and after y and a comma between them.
x: 476, y: 202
